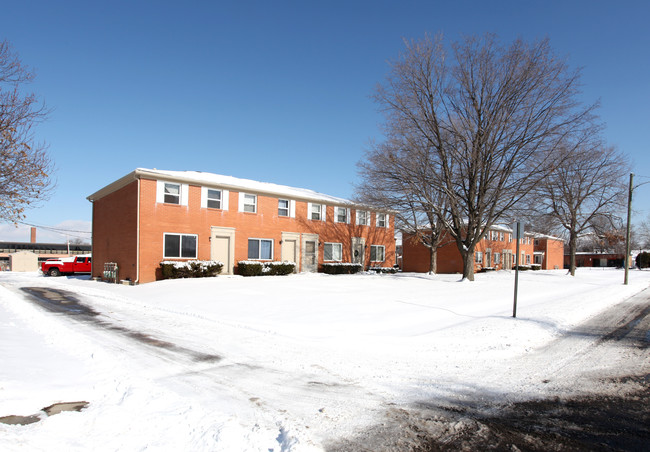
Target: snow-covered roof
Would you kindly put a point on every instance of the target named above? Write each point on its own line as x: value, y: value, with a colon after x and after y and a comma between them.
x: 220, y: 181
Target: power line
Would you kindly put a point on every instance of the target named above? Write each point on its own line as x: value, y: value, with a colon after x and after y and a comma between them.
x: 53, y: 229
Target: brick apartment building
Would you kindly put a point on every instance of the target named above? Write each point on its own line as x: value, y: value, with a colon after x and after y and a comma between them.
x: 150, y: 215
x: 496, y: 251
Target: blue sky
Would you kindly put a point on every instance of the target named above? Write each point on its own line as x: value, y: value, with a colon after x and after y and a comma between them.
x: 277, y: 91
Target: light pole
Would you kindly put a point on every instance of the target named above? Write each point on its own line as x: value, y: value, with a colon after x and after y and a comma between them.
x: 627, y: 231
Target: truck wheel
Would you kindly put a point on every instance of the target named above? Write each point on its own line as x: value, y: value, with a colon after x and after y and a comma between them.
x: 54, y: 272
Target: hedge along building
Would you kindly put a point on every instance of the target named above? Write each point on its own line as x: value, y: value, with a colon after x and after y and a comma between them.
x: 496, y: 251
x: 151, y: 215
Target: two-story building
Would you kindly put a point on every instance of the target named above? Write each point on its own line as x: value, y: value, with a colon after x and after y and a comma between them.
x: 151, y: 215
x: 496, y: 251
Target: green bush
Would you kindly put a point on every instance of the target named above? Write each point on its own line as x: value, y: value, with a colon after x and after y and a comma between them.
x: 383, y: 269
x: 341, y: 268
x: 255, y: 268
x: 190, y: 269
x: 535, y: 266
x: 643, y: 260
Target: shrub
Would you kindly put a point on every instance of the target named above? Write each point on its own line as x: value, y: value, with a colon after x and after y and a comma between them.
x: 643, y: 260
x: 190, y: 269
x: 535, y: 266
x: 383, y: 269
x: 255, y: 268
x: 341, y: 268
x: 523, y: 268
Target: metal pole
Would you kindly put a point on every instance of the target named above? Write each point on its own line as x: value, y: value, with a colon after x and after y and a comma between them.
x: 627, y: 232
x: 514, y: 306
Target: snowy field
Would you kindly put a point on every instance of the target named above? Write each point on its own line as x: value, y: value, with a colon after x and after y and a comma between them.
x: 290, y: 363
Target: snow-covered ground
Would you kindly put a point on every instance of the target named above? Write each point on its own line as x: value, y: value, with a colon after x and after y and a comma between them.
x: 289, y: 363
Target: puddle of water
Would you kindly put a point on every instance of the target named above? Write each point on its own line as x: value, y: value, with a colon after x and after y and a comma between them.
x: 45, y: 412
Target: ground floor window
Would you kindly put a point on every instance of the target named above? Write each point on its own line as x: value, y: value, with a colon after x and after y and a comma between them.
x: 260, y: 249
x: 377, y: 253
x: 497, y: 258
x: 180, y: 245
x: 478, y: 257
x: 332, y: 251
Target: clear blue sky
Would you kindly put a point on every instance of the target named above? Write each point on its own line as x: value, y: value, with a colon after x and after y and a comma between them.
x: 277, y: 91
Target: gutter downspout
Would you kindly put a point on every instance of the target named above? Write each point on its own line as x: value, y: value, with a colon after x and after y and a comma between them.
x: 137, y: 239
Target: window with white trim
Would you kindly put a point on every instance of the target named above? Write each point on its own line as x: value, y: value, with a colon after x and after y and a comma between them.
x: 315, y: 212
x: 497, y: 258
x: 182, y: 246
x: 478, y: 257
x: 332, y: 252
x: 527, y: 259
x: 283, y: 207
x: 250, y: 203
x: 377, y: 253
x: 341, y: 215
x: 213, y: 198
x: 172, y: 193
x: 382, y: 220
x: 363, y: 217
x: 260, y: 249
x: 501, y: 236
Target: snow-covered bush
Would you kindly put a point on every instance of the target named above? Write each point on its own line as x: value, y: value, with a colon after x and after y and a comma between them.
x: 256, y: 268
x: 535, y: 266
x: 190, y: 269
x: 341, y: 268
x: 383, y: 269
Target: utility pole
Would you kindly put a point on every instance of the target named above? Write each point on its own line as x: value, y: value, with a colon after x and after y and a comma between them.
x: 517, y: 232
x: 627, y: 232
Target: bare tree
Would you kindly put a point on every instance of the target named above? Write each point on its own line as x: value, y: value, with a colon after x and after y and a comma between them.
x: 25, y: 166
x: 489, y: 119
x: 585, y: 192
x: 398, y: 180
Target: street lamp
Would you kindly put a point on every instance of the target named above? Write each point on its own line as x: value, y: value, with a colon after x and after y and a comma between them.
x: 627, y: 232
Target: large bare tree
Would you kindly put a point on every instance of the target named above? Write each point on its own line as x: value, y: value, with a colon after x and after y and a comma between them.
x: 25, y: 167
x: 585, y: 192
x: 489, y: 117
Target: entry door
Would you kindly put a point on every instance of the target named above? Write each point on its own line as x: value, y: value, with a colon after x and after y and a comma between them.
x: 507, y: 261
x: 310, y: 263
x: 289, y: 251
x: 358, y: 248
x: 222, y: 248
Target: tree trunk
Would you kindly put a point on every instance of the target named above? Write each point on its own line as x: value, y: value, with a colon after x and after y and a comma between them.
x: 433, y: 257
x: 468, y: 264
x: 573, y: 245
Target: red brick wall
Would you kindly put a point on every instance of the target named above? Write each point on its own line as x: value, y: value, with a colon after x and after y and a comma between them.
x: 157, y: 219
x: 115, y: 231
x: 553, y: 253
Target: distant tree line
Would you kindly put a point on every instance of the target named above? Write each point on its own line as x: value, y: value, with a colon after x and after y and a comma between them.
x: 478, y: 133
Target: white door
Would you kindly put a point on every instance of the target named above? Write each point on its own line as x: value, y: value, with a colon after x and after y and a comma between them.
x: 289, y: 251
x: 358, y: 248
x: 222, y: 248
x: 310, y: 262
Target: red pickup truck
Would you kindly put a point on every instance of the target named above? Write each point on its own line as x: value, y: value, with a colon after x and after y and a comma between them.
x: 73, y: 265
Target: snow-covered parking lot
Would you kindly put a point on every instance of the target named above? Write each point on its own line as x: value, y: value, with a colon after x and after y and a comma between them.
x: 297, y: 361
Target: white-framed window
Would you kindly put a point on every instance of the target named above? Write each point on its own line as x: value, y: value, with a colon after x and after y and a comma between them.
x: 509, y: 237
x: 527, y: 259
x: 478, y: 257
x: 377, y: 253
x: 316, y: 212
x: 501, y: 236
x: 214, y: 198
x: 363, y: 217
x: 283, y: 207
x: 182, y: 246
x: 171, y: 193
x: 247, y: 202
x: 260, y: 249
x: 497, y: 258
x: 341, y: 215
x: 382, y: 220
x: 332, y: 252
x: 538, y: 259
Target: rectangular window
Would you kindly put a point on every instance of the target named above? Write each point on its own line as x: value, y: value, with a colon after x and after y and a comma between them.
x: 381, y: 220
x: 501, y: 236
x: 214, y: 199
x: 377, y: 253
x: 527, y: 259
x: 509, y: 237
x: 180, y: 246
x: 497, y: 258
x: 315, y: 213
x: 341, y: 214
x: 260, y: 249
x: 478, y: 257
x: 363, y: 218
x: 172, y: 193
x: 283, y: 207
x: 250, y: 203
x: 332, y: 251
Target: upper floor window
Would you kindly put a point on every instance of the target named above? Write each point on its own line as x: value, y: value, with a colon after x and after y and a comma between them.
x: 172, y: 193
x: 316, y: 211
x: 501, y: 236
x: 247, y: 203
x: 283, y: 207
x: 214, y: 198
x: 363, y: 217
x: 341, y: 215
x: 382, y: 220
